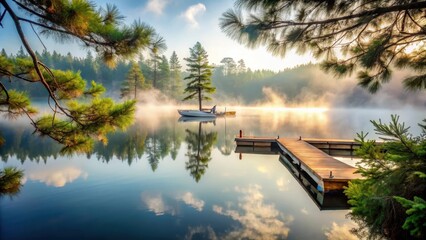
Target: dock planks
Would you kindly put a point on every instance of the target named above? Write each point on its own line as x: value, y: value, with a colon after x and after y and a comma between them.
x: 333, y: 173
x: 318, y: 161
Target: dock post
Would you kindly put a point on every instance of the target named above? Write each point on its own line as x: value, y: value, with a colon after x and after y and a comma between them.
x: 241, y: 133
x: 331, y: 174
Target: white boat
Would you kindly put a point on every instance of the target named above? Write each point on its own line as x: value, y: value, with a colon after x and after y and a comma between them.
x: 196, y: 113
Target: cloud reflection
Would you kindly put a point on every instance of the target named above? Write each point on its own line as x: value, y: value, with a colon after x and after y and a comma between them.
x: 258, y: 220
x: 56, y: 177
x: 154, y: 202
x: 201, y: 232
x: 282, y: 184
x: 340, y: 232
x: 190, y: 200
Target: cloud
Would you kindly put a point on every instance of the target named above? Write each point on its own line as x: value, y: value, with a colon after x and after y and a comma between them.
x: 57, y: 177
x: 156, y: 6
x: 156, y: 204
x: 190, y: 200
x: 201, y: 232
x: 258, y: 220
x: 282, y: 184
x: 192, y: 12
x: 341, y: 232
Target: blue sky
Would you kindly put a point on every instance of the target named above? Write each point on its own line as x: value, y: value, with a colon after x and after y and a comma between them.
x: 182, y: 23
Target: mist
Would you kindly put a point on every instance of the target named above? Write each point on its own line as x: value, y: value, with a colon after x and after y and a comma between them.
x: 309, y: 86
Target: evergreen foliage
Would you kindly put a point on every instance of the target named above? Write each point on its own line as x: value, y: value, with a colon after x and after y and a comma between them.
x: 368, y: 36
x: 164, y: 76
x: 388, y: 201
x: 199, y: 151
x: 200, y: 73
x: 72, y: 123
x: 175, y: 76
x: 157, y: 47
x: 135, y: 81
x: 10, y: 181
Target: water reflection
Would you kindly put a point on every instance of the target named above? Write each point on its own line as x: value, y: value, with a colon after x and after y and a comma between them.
x: 11, y: 181
x: 258, y: 220
x: 111, y: 191
x: 341, y: 232
x: 189, y: 199
x: 155, y: 203
x: 199, y: 151
x: 57, y: 176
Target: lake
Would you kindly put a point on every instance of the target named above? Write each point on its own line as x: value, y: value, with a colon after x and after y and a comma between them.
x: 170, y: 179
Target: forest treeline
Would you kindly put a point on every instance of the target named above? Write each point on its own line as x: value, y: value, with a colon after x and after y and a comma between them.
x: 234, y: 82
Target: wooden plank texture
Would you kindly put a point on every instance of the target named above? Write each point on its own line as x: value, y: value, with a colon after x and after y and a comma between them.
x: 317, y: 161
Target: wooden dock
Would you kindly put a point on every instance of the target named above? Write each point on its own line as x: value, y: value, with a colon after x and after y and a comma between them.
x: 329, y: 173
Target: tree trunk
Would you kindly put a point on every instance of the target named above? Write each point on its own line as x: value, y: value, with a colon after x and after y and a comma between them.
x: 136, y: 83
x: 199, y: 91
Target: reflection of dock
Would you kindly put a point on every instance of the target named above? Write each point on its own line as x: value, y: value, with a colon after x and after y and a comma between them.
x: 324, y: 200
x: 328, y: 173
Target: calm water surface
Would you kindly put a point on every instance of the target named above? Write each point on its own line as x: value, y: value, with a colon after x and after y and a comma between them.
x: 168, y: 179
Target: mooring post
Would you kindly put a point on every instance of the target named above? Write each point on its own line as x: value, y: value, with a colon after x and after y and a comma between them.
x: 331, y: 174
x: 241, y: 156
x: 300, y: 138
x: 241, y: 133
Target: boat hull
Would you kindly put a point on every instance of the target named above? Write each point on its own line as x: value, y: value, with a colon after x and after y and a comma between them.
x: 196, y: 113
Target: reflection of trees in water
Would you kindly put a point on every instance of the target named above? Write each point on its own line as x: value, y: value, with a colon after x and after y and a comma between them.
x: 125, y: 146
x: 153, y: 151
x: 177, y: 138
x: 199, y: 151
x: 128, y: 145
x: 20, y: 142
x: 226, y: 143
x: 10, y: 181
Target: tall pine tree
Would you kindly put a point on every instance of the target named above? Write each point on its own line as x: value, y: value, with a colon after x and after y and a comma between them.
x: 175, y: 76
x: 200, y: 73
x: 72, y: 123
x: 135, y: 81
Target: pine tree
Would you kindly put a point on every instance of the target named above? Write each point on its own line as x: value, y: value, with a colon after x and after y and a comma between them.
x: 164, y: 75
x: 368, y: 36
x: 3, y: 53
x: 135, y: 81
x: 200, y: 73
x: 241, y: 68
x: 199, y: 151
x: 175, y: 75
x: 72, y: 123
x: 389, y: 200
x: 229, y: 66
x: 157, y: 47
x: 21, y: 53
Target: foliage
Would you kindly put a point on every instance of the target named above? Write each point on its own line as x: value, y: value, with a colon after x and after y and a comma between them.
x: 71, y: 123
x: 91, y: 120
x: 199, y: 151
x: 10, y: 181
x: 371, y: 36
x: 135, y: 81
x: 416, y: 209
x: 157, y: 46
x: 200, y: 73
x: 392, y: 174
x: 175, y: 76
